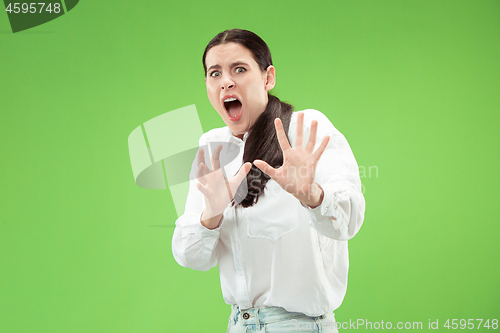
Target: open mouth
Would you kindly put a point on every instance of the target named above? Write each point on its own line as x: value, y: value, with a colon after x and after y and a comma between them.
x: 233, y: 108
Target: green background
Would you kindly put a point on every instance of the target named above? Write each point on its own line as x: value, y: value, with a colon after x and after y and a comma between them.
x: 413, y: 85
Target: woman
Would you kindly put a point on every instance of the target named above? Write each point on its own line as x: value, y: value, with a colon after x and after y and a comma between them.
x: 277, y: 214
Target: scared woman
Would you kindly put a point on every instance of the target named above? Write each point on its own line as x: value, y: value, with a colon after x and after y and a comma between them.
x: 277, y: 215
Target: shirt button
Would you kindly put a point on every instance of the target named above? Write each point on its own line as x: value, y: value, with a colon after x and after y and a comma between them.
x: 246, y: 316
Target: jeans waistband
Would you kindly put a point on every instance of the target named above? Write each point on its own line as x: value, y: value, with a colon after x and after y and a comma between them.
x: 264, y: 315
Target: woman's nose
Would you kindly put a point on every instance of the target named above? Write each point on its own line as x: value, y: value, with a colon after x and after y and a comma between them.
x: 227, y: 83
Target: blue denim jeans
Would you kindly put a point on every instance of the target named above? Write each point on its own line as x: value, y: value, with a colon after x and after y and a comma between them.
x: 278, y: 320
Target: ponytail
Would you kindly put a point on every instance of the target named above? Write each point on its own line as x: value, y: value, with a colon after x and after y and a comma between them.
x: 262, y: 143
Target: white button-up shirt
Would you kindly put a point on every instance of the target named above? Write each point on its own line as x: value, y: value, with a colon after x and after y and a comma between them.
x: 279, y: 252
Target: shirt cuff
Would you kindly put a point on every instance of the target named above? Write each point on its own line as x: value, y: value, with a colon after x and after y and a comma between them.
x: 327, y: 208
x: 205, y: 233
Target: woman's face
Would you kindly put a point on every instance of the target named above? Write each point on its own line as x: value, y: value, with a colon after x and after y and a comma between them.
x: 236, y: 86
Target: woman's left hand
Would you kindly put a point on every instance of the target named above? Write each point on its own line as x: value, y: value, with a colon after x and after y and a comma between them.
x: 296, y: 175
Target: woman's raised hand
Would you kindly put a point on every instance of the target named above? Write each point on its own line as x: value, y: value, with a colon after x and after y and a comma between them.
x: 296, y: 175
x: 217, y: 189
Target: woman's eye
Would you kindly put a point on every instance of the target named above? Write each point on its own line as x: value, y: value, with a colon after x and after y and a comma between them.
x: 240, y: 70
x: 215, y: 73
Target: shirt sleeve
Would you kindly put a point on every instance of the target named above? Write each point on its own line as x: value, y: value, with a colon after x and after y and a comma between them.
x: 341, y: 213
x: 193, y: 245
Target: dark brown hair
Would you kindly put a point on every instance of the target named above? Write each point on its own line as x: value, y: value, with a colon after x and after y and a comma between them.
x: 262, y: 142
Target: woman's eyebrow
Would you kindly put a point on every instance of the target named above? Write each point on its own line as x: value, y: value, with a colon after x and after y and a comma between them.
x: 212, y: 67
x: 234, y: 64
x: 238, y: 63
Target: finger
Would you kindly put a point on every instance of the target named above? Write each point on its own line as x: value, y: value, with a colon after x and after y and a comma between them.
x: 239, y: 178
x: 280, y: 133
x: 299, y: 138
x: 198, y: 171
x: 312, y: 137
x: 202, y: 171
x: 202, y: 189
x: 266, y: 168
x: 200, y: 155
x: 317, y: 154
x: 243, y: 172
x: 216, y: 158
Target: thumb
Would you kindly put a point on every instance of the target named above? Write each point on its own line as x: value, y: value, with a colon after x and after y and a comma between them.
x: 265, y: 167
x: 245, y: 168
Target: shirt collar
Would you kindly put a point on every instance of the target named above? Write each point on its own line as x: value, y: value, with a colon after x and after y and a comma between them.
x: 232, y: 138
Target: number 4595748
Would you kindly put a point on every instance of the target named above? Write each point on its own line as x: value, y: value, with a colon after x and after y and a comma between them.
x: 471, y: 324
x: 32, y: 8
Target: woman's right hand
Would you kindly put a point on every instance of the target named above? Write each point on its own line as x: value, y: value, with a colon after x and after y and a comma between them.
x: 217, y: 189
